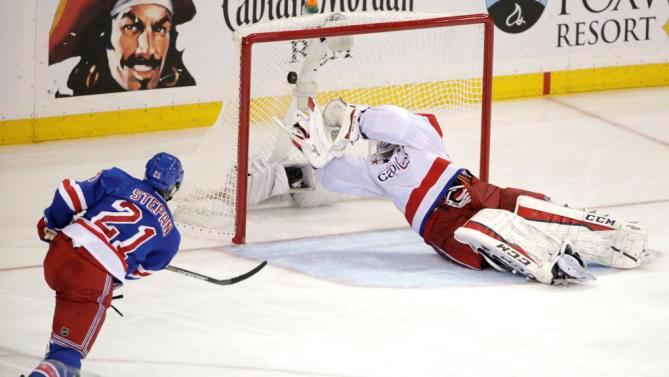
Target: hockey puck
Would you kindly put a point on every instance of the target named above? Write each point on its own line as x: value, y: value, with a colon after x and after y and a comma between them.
x: 292, y: 77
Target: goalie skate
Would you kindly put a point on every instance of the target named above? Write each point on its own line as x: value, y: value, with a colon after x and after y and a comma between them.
x: 570, y: 267
x: 598, y: 239
x: 508, y: 242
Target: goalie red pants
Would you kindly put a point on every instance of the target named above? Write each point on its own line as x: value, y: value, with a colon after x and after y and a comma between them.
x: 446, y: 218
x: 83, y: 294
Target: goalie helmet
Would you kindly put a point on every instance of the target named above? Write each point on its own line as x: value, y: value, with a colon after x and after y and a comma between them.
x: 165, y: 174
x: 381, y: 150
x: 341, y: 122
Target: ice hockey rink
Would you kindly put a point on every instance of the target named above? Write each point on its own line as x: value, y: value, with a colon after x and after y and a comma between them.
x: 355, y: 293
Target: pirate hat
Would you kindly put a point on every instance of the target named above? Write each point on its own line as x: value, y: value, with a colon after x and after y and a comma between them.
x: 74, y: 17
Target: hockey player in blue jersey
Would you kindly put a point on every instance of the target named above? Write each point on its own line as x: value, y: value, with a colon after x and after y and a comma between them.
x: 102, y: 231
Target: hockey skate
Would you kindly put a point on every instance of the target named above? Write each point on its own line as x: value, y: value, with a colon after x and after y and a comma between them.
x: 52, y: 367
x: 570, y: 268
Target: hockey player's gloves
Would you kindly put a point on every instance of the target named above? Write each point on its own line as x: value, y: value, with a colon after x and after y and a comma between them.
x: 308, y: 135
x: 45, y: 233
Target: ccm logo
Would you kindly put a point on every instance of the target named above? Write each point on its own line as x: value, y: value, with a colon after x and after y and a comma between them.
x: 599, y: 219
x: 513, y: 254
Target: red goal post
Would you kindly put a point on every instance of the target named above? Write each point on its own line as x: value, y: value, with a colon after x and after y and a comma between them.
x: 247, y: 43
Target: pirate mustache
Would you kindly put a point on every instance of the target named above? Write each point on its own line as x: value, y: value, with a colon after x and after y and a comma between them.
x: 134, y: 60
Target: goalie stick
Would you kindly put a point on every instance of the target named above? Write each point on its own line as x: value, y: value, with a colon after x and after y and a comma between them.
x: 208, y: 279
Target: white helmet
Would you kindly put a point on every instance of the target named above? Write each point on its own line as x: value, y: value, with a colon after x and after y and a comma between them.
x: 341, y: 122
x: 381, y: 150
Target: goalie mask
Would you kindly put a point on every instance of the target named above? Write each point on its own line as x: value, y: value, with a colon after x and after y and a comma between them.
x: 381, y: 150
x: 341, y: 122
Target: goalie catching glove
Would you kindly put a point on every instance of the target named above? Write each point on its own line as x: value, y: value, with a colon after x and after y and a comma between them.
x: 309, y: 136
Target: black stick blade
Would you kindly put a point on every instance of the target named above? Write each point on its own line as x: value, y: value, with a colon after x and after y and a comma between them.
x: 208, y: 279
x: 241, y: 277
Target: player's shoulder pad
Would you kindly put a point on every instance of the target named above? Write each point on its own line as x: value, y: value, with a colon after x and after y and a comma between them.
x: 118, y: 173
x: 114, y: 178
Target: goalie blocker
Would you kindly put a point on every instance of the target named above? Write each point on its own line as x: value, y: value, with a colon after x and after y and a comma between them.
x: 268, y: 179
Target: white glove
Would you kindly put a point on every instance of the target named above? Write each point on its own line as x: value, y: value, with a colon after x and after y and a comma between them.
x: 308, y: 135
x: 44, y: 232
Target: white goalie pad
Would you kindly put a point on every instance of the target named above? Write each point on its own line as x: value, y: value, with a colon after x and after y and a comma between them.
x: 506, y: 239
x: 598, y: 239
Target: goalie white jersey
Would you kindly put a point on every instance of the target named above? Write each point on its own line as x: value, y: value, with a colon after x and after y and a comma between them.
x: 417, y: 174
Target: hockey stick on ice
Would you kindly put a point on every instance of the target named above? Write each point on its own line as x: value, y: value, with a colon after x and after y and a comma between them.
x: 208, y: 279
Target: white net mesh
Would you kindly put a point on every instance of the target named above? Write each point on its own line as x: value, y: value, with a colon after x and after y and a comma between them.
x: 436, y: 70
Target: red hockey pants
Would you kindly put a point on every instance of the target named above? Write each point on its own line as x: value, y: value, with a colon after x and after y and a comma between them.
x: 441, y: 225
x: 83, y: 294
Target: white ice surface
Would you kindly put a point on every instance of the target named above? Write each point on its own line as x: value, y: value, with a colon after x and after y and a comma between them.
x: 374, y: 302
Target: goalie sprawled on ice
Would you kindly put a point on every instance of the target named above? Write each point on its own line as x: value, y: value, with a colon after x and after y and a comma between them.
x: 471, y: 222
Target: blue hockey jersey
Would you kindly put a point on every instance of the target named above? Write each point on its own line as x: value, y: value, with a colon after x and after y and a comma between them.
x: 119, y: 219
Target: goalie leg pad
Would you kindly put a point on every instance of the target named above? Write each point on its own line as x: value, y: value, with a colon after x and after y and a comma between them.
x: 598, y: 239
x: 509, y: 241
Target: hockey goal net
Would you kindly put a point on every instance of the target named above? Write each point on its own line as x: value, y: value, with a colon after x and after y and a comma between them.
x: 430, y: 63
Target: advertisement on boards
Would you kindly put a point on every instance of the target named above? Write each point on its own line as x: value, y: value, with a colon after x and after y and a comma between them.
x: 515, y: 16
x: 123, y: 45
x: 93, y: 56
x: 562, y: 35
